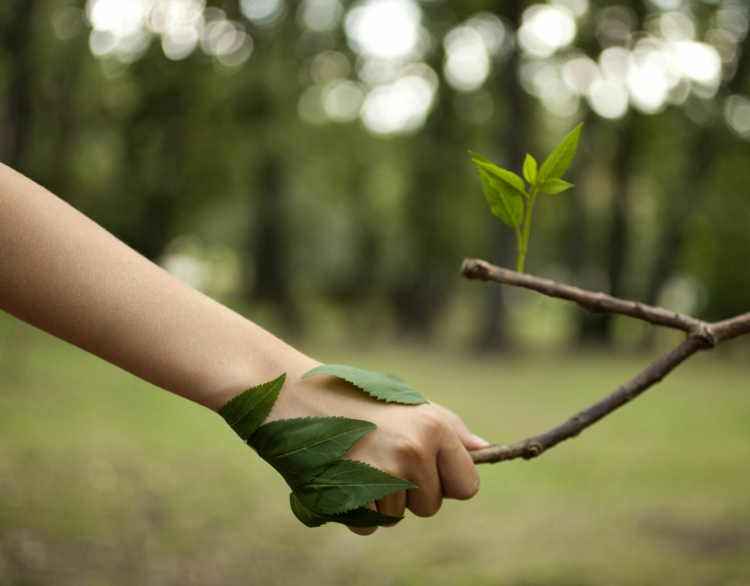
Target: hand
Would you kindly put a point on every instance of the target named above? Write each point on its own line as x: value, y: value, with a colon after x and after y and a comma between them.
x: 424, y: 444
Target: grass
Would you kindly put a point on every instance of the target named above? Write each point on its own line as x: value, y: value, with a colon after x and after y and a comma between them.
x: 107, y: 480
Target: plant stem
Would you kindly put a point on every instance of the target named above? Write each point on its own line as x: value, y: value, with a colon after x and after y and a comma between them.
x: 523, y: 244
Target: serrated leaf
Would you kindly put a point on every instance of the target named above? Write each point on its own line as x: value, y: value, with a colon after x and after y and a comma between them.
x: 561, y: 158
x: 382, y: 386
x: 356, y: 518
x: 505, y: 199
x: 247, y: 411
x: 530, y: 169
x: 347, y: 485
x: 305, y: 515
x: 553, y: 186
x: 300, y: 449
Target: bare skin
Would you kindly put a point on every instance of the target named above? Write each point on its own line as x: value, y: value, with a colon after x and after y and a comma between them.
x: 64, y: 274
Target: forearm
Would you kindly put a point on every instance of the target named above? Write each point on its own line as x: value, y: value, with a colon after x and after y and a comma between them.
x: 64, y: 274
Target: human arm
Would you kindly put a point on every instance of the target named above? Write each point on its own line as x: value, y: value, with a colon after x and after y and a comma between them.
x: 64, y: 274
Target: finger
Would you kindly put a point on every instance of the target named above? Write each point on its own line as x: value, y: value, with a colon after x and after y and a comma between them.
x: 469, y: 440
x: 458, y: 474
x: 425, y: 500
x: 365, y: 530
x: 393, y: 505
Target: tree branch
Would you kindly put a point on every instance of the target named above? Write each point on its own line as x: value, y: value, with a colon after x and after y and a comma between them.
x: 701, y: 335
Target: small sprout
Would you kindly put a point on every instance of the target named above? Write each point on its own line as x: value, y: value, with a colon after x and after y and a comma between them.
x: 509, y: 197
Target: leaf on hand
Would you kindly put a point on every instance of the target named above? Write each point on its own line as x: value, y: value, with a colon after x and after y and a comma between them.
x: 347, y: 485
x: 504, y: 191
x: 382, y: 386
x: 247, y: 411
x: 302, y: 448
x: 553, y: 186
x: 530, y: 169
x: 561, y: 158
x: 356, y: 518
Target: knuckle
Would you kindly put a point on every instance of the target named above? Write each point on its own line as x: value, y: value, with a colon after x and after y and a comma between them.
x: 412, y: 450
x: 433, y: 422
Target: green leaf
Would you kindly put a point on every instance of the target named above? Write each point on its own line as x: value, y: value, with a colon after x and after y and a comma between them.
x: 502, y: 191
x: 561, y: 158
x: 363, y: 517
x: 508, y: 206
x: 305, y: 515
x: 554, y: 186
x: 513, y: 181
x: 356, y: 518
x: 382, y: 386
x: 347, y: 485
x: 302, y: 448
x: 245, y: 412
x: 530, y: 169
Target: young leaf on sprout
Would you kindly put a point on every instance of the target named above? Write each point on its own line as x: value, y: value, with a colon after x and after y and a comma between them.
x: 504, y: 191
x: 382, y: 386
x: 530, y: 169
x: 553, y: 186
x: 561, y: 158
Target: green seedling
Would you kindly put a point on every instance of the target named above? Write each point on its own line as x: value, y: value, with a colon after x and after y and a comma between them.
x: 512, y: 200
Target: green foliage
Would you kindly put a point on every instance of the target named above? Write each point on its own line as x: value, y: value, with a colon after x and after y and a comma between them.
x: 506, y: 192
x: 307, y: 451
x: 504, y: 197
x: 553, y: 186
x: 530, y: 169
x: 558, y: 162
x: 347, y: 485
x: 245, y: 412
x: 363, y: 517
x: 302, y: 448
x: 382, y: 386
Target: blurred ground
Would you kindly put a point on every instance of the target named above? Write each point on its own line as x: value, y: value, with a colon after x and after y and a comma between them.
x: 106, y: 480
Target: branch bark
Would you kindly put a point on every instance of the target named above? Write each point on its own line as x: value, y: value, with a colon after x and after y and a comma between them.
x: 701, y: 335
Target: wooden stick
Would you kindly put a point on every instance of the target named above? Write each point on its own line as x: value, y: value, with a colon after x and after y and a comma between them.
x: 701, y: 335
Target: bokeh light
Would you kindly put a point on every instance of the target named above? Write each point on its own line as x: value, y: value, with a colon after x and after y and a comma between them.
x: 342, y: 100
x: 124, y: 29
x: 263, y: 12
x: 467, y: 62
x: 401, y: 107
x: 320, y: 15
x: 737, y: 115
x: 648, y: 70
x: 546, y: 29
x: 470, y: 49
x: 385, y: 28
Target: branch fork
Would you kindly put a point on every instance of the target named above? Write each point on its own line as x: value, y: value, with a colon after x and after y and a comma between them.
x: 700, y: 335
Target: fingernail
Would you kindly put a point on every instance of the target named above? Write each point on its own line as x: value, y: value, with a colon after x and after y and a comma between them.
x: 480, y: 440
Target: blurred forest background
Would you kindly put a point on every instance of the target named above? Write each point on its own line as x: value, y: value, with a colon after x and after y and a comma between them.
x: 310, y: 159
x: 306, y: 163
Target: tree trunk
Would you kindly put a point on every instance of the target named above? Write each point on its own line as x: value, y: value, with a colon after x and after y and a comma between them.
x: 16, y: 41
x: 493, y: 331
